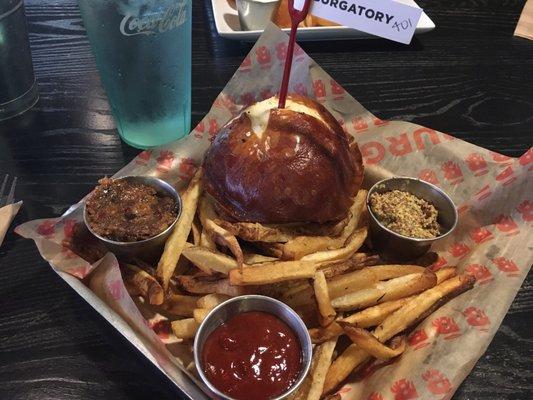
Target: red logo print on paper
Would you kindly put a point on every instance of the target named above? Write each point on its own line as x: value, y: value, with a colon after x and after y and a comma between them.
x: 477, y: 318
x: 400, y: 145
x: 463, y: 208
x: 483, y: 193
x: 506, y: 224
x: 213, y: 128
x: 143, y: 157
x: 404, y: 389
x: 375, y: 396
x: 379, y: 122
x: 300, y: 89
x: 507, y: 266
x: 319, y: 88
x: 477, y: 164
x: 419, y: 138
x: 480, y: 234
x: 281, y: 51
x: 480, y: 272
x: 418, y: 339
x: 337, y: 90
x: 500, y: 158
x: 429, y: 176
x: 441, y: 262
x: 161, y: 328
x: 452, y: 172
x: 359, y: 124
x: 506, y: 177
x: 459, y: 250
x: 437, y: 383
x: 47, y: 228
x: 373, y: 152
x: 446, y: 327
x: 115, y: 288
x: 263, y: 56
x: 527, y: 158
x: 526, y: 210
x: 69, y: 226
x: 199, y: 130
x: 186, y: 168
x: 246, y: 64
x: 165, y: 160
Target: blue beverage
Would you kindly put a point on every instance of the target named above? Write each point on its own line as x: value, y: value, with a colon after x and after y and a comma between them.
x: 143, y: 52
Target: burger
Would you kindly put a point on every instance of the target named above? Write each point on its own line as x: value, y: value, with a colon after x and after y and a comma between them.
x: 278, y: 166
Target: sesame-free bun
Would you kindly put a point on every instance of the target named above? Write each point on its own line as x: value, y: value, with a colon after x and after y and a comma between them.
x: 274, y: 165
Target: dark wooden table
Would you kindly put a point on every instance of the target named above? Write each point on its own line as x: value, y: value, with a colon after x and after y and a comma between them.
x: 470, y: 78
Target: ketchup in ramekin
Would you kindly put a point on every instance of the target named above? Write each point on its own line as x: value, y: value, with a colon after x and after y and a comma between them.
x: 253, y: 354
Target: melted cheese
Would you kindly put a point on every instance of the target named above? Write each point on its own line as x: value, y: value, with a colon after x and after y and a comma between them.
x: 259, y: 113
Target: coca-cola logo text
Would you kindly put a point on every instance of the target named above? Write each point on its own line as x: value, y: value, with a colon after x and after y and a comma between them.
x: 170, y: 19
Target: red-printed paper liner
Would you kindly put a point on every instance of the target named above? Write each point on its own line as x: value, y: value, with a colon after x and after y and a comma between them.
x: 493, y: 239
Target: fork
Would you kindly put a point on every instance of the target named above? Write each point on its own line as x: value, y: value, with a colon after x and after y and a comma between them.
x: 10, y: 198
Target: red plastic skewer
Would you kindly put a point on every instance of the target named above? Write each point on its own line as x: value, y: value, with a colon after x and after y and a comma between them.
x: 297, y: 16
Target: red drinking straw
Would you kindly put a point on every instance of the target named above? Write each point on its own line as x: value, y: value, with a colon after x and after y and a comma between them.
x: 297, y: 16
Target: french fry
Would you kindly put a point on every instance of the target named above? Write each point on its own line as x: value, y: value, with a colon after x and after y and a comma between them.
x: 211, y: 300
x: 207, y: 216
x: 209, y: 260
x: 206, y: 240
x: 326, y: 311
x: 196, y: 229
x: 301, y: 246
x: 351, y: 282
x: 366, y: 318
x: 179, y: 304
x: 410, y: 312
x: 252, y: 258
x: 352, y: 357
x: 176, y: 242
x: 397, y: 322
x: 323, y: 334
x: 185, y: 328
x: 266, y: 273
x: 357, y: 261
x: 373, y: 316
x: 257, y: 232
x: 299, y: 295
x: 364, y: 278
x: 270, y: 249
x: 311, y: 388
x: 445, y: 273
x: 142, y: 283
x: 197, y: 285
x: 354, y: 242
x: 368, y: 342
x: 199, y: 314
x: 386, y: 291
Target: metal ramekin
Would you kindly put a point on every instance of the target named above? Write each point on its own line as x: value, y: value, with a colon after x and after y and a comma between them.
x: 399, y: 247
x: 240, y: 304
x: 146, y: 249
x: 255, y: 14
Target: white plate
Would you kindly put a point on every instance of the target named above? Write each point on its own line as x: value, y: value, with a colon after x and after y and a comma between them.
x: 228, y: 26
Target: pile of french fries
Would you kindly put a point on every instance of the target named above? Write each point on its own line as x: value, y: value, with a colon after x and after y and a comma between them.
x: 356, y: 307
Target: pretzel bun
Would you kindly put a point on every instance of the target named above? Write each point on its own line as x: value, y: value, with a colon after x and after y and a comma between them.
x: 274, y: 165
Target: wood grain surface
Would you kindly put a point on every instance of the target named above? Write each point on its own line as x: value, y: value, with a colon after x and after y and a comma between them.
x: 470, y: 78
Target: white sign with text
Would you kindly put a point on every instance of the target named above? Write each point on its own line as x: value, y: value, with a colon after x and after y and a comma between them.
x: 384, y: 18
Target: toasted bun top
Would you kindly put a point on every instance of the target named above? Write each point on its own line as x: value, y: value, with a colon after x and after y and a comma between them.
x: 275, y: 165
